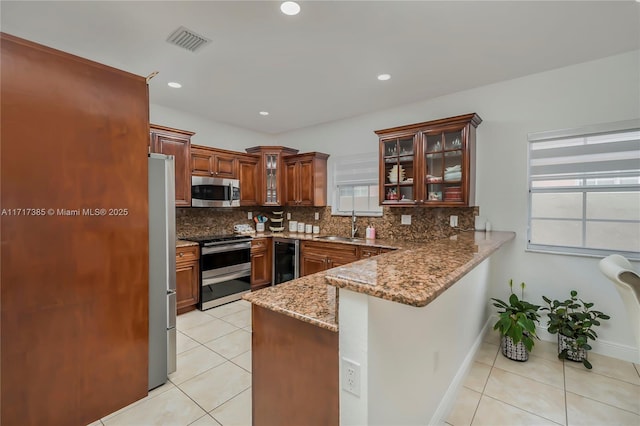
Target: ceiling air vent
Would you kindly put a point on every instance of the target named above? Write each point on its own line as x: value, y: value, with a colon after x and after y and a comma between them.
x: 187, y: 39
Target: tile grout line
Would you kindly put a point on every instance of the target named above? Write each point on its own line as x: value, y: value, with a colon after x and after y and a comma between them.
x: 522, y: 409
x: 228, y: 400
x: 605, y: 403
x: 203, y: 409
x: 519, y: 408
x: 475, y: 411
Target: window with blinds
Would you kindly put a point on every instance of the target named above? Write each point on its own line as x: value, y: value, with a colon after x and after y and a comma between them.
x: 584, y: 190
x: 355, y: 181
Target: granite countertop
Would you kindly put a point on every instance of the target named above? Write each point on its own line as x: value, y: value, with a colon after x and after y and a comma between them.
x: 309, y: 299
x: 413, y: 275
x: 185, y: 243
x: 416, y: 276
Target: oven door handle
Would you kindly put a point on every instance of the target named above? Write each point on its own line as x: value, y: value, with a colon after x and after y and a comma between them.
x: 226, y: 247
x: 225, y: 277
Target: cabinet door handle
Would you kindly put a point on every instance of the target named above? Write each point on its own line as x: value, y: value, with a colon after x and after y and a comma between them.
x: 181, y: 254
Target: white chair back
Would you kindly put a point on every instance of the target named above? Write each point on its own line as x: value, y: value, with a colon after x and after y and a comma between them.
x: 620, y: 271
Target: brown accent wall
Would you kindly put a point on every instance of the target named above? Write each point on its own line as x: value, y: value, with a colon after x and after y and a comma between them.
x: 74, y: 288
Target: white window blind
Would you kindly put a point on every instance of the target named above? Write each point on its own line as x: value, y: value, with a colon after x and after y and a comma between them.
x: 584, y: 190
x: 355, y: 179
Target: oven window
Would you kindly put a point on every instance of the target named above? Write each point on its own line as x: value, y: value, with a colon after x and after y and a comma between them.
x: 210, y: 192
x: 226, y: 288
x: 224, y: 259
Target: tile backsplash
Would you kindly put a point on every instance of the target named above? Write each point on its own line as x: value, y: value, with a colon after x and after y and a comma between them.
x: 426, y: 223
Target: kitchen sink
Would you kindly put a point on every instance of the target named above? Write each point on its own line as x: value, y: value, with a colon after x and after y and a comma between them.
x: 339, y: 239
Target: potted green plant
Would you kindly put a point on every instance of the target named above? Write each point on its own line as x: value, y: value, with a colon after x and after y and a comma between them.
x: 573, y: 320
x: 517, y: 325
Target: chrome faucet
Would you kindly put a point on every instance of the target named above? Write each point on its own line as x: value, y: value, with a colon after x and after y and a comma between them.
x: 354, y: 228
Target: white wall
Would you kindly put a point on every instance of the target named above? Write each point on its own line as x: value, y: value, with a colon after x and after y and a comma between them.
x: 410, y: 367
x: 209, y: 133
x: 600, y: 91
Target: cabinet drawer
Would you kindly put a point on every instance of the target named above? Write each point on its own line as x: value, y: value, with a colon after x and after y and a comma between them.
x: 260, y: 245
x: 369, y: 252
x: 331, y: 250
x: 187, y: 254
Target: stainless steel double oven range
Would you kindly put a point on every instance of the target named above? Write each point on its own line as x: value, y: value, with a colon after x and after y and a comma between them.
x: 225, y: 269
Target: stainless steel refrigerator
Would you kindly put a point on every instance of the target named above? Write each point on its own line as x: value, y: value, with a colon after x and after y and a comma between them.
x: 162, y: 269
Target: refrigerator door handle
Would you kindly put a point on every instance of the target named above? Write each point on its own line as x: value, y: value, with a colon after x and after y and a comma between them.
x: 171, y: 309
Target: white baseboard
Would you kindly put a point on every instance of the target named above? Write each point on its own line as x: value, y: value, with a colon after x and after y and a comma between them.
x: 449, y: 398
x: 601, y: 347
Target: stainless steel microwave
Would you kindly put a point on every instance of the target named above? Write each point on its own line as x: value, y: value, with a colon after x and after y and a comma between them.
x: 214, y: 192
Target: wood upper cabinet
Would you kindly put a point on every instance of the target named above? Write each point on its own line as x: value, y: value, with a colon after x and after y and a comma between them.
x: 248, y: 173
x: 306, y: 179
x: 168, y: 141
x: 261, y: 253
x: 213, y: 162
x: 430, y: 163
x: 319, y: 256
x: 187, y: 278
x: 270, y: 173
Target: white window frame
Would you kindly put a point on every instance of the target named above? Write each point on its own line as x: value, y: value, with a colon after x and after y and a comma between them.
x: 600, y: 129
x: 368, y: 177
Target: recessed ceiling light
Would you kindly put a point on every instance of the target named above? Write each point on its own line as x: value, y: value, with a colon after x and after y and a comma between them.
x: 264, y: 112
x: 384, y: 77
x: 174, y: 85
x: 290, y: 8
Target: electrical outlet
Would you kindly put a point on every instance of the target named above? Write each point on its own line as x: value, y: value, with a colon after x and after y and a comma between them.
x: 249, y: 215
x: 405, y: 219
x: 288, y: 216
x: 453, y: 221
x: 351, y: 376
x: 316, y: 216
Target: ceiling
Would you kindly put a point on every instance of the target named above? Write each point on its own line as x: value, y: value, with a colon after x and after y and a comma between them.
x: 321, y: 65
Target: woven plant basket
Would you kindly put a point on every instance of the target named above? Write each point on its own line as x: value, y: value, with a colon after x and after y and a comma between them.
x: 515, y: 352
x: 573, y: 353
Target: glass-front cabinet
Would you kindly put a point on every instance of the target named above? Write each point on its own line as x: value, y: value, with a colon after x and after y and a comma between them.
x: 430, y: 163
x: 398, y: 168
x: 271, y: 173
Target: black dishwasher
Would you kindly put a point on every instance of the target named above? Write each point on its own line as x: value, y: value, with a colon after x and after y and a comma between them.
x: 286, y: 259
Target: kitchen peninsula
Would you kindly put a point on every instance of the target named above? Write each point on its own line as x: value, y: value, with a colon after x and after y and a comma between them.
x: 409, y: 321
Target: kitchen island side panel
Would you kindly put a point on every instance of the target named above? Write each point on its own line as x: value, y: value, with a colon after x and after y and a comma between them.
x: 295, y: 371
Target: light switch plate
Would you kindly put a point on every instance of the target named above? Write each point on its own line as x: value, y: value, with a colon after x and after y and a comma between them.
x: 288, y: 216
x: 405, y: 219
x: 453, y: 221
x: 249, y: 215
x: 316, y: 216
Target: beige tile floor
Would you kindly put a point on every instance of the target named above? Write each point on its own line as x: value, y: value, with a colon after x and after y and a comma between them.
x: 546, y: 391
x: 212, y: 385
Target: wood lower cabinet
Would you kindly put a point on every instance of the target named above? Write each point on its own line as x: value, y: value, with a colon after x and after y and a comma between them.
x: 295, y: 378
x: 261, y: 255
x: 213, y: 162
x: 306, y: 179
x: 187, y: 278
x: 248, y: 173
x: 168, y: 141
x: 319, y: 256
